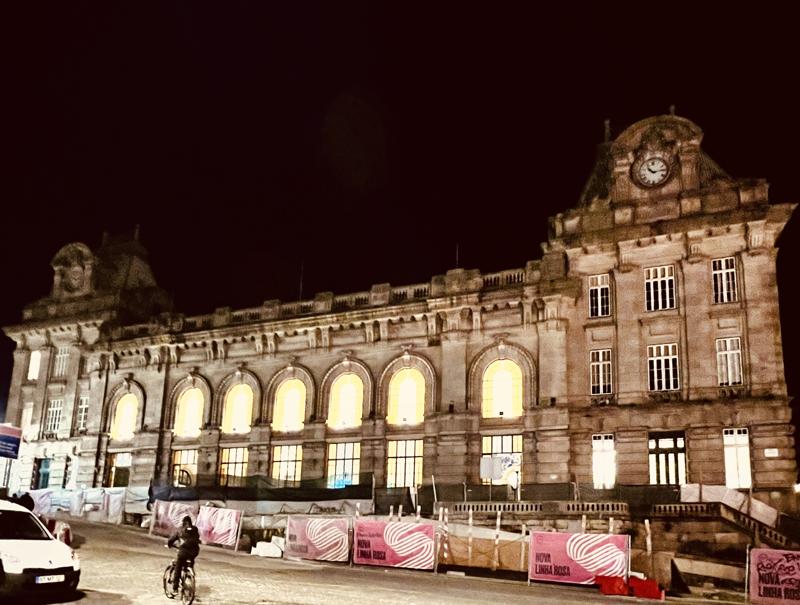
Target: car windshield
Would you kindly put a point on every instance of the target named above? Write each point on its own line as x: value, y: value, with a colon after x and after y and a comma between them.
x: 18, y: 525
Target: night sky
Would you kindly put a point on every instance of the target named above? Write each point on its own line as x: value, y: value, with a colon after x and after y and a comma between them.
x: 359, y: 141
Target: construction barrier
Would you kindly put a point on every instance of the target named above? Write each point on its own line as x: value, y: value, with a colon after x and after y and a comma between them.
x: 393, y: 544
x: 319, y: 539
x: 774, y: 576
x: 578, y: 558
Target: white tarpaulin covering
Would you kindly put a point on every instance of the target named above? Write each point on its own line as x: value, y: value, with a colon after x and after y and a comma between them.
x: 692, y: 492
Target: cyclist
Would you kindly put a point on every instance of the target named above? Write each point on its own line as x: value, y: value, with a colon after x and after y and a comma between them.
x: 188, y: 548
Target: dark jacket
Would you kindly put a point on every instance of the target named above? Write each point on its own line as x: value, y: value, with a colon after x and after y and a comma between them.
x: 189, y: 541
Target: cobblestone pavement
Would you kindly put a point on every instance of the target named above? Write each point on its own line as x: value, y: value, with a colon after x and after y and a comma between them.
x: 124, y: 566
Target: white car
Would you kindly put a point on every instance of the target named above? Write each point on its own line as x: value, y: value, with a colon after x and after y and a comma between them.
x: 31, y: 559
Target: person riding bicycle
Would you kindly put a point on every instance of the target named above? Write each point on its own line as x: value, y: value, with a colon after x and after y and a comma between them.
x: 188, y: 549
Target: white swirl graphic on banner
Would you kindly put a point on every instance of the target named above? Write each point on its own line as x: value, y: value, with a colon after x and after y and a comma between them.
x: 218, y: 525
x: 330, y: 540
x: 588, y: 551
x: 413, y: 547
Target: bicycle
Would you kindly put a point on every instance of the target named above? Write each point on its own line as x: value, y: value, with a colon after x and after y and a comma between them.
x: 186, y: 585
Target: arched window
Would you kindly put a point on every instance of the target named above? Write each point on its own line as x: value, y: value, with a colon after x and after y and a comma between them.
x: 502, y: 390
x: 238, y: 412
x: 346, y: 402
x: 125, y: 413
x: 406, y: 397
x: 290, y: 406
x: 189, y: 415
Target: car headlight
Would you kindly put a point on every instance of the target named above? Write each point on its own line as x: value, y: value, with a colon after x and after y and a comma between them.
x: 11, y: 563
x: 76, y: 560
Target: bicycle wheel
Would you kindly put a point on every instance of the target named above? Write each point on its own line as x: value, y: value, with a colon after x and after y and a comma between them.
x: 168, y: 581
x: 187, y: 587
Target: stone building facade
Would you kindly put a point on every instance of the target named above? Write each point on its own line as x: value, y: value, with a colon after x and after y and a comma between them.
x: 643, y: 348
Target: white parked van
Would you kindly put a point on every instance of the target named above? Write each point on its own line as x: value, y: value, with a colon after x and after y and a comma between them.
x: 31, y: 559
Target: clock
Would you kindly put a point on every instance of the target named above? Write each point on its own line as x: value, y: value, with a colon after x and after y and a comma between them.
x: 651, y: 170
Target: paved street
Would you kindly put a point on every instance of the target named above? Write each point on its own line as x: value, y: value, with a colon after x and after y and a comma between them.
x: 124, y: 566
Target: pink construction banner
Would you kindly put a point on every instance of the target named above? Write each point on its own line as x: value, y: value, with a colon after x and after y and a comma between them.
x: 317, y: 539
x: 578, y: 558
x: 774, y: 576
x: 219, y: 525
x: 167, y: 516
x: 393, y: 544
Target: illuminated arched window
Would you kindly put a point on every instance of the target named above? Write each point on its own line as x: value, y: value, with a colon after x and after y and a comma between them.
x: 290, y: 406
x: 502, y: 390
x: 406, y: 397
x: 238, y: 412
x: 125, y: 413
x: 189, y: 415
x: 346, y: 401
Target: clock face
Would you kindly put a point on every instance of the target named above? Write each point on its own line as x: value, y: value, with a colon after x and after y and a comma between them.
x: 652, y: 171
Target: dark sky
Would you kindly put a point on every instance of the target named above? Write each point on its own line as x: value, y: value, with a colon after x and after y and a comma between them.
x: 360, y: 140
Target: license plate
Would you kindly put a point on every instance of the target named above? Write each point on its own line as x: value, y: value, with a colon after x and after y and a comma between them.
x: 49, y: 579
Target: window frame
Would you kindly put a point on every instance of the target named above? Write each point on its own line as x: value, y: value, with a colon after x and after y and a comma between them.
x: 392, y: 468
x: 509, y: 444
x: 600, y: 460
x: 238, y: 465
x: 34, y: 368
x: 349, y: 465
x: 658, y: 287
x: 659, y: 457
x: 53, y: 416
x: 604, y: 384
x: 660, y: 372
x: 82, y: 414
x: 724, y: 281
x: 737, y: 446
x: 597, y: 284
x: 183, y: 459
x: 289, y: 468
x: 729, y: 359
x: 61, y: 362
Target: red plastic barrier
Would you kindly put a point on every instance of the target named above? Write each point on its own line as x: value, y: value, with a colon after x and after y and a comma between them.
x: 613, y: 585
x: 646, y: 589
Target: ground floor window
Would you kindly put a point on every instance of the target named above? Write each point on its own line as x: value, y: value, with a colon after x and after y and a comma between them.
x: 404, y: 464
x: 737, y: 458
x: 344, y: 464
x: 506, y: 451
x: 184, y: 468
x: 118, y: 473
x: 604, y: 461
x: 287, y: 462
x: 232, y: 466
x: 41, y: 473
x: 667, y: 458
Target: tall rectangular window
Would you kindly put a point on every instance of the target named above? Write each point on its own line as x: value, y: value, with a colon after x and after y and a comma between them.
x: 232, y: 466
x: 344, y: 464
x: 600, y: 371
x: 599, y: 296
x: 723, y: 273
x: 729, y: 361
x: 40, y: 477
x: 404, y: 464
x: 659, y: 288
x: 83, y: 413
x: 118, y: 473
x: 287, y: 462
x: 508, y: 449
x: 663, y: 367
x: 667, y: 458
x: 33, y: 365
x: 737, y: 458
x: 60, y: 365
x: 53, y: 420
x: 184, y: 468
x: 604, y: 461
